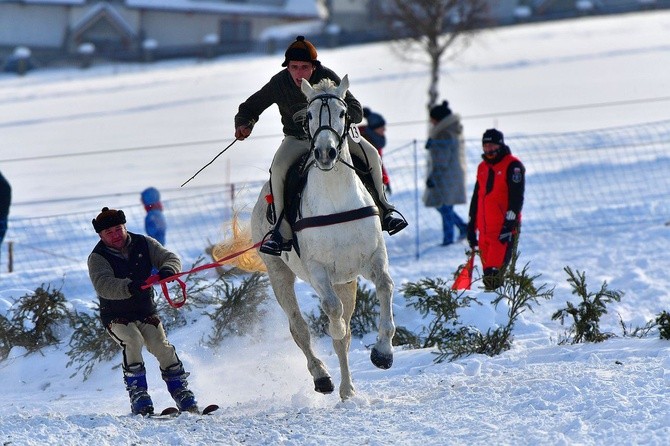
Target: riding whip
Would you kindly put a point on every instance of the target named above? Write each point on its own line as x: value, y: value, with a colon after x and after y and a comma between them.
x: 213, y: 159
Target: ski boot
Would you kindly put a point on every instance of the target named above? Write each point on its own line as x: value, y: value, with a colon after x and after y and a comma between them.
x: 135, y: 378
x: 175, y: 378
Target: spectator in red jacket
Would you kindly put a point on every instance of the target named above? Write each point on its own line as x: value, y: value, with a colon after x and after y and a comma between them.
x: 495, y: 207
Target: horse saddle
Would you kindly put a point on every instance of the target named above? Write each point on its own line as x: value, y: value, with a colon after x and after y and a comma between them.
x: 295, y: 181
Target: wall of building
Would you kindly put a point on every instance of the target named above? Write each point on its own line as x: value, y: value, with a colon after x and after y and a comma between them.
x: 33, y: 26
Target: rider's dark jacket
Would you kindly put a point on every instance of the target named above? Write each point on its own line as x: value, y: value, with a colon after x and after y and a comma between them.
x: 281, y: 90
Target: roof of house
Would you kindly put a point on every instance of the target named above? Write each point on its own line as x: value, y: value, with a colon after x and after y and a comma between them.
x: 303, y: 9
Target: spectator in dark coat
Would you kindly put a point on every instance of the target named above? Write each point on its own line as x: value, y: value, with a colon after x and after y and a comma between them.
x: 445, y: 183
x: 495, y: 207
x: 5, y: 201
x: 119, y: 266
x: 375, y: 132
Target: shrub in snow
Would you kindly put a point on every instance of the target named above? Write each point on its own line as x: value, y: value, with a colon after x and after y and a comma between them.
x: 35, y: 321
x: 663, y: 321
x: 586, y: 315
x: 236, y: 309
x: 86, y: 52
x: 454, y: 329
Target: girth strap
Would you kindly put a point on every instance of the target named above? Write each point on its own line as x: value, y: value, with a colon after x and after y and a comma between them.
x: 333, y: 219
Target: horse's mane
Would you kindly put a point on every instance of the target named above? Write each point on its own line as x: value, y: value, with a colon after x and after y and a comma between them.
x: 325, y: 85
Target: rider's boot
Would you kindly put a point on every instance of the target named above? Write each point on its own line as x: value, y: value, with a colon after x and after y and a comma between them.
x: 393, y: 224
x: 273, y: 242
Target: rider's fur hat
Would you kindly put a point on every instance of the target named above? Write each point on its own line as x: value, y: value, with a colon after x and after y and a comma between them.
x: 108, y: 218
x: 301, y: 50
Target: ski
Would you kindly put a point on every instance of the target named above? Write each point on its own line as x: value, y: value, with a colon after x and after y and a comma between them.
x: 173, y: 412
x: 167, y: 413
x: 209, y: 409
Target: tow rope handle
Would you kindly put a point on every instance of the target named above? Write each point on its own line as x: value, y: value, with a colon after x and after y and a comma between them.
x: 179, y: 302
x: 174, y: 303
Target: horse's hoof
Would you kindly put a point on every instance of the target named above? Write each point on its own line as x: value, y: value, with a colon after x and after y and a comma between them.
x: 324, y: 385
x: 381, y: 360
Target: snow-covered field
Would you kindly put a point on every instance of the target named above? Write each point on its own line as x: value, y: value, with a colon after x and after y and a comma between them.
x: 539, y: 392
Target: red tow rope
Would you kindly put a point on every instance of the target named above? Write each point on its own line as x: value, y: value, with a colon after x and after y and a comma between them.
x: 179, y: 302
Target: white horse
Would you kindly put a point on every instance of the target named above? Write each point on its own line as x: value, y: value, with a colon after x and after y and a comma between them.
x: 335, y: 251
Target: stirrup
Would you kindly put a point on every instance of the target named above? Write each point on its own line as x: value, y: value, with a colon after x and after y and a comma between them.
x: 275, y: 244
x: 393, y: 224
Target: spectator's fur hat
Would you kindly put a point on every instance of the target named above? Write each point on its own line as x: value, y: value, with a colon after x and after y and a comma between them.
x: 375, y: 120
x: 439, y: 112
x: 108, y: 218
x: 301, y: 50
x: 493, y: 136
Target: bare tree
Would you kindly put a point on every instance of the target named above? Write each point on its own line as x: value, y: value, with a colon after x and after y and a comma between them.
x: 434, y: 26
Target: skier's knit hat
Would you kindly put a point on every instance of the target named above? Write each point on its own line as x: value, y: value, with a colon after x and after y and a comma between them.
x: 300, y: 50
x: 493, y: 136
x: 108, y: 218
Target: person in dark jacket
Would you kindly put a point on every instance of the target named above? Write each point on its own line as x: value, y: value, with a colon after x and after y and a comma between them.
x: 495, y: 207
x: 284, y: 90
x: 5, y: 201
x: 118, y: 267
x: 445, y: 183
x: 375, y: 132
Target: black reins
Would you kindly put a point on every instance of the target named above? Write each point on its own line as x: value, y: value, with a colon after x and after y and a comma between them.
x: 327, y: 127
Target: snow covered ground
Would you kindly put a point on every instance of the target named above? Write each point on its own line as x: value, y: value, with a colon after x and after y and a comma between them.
x: 539, y: 392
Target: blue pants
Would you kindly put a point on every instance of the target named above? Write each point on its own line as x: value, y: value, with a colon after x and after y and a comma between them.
x: 449, y: 220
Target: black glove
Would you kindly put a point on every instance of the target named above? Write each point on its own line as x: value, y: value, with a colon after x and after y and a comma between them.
x: 472, y: 235
x: 430, y: 183
x: 135, y: 287
x: 165, y: 273
x: 507, y: 232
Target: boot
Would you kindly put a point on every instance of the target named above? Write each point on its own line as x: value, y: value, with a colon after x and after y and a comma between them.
x: 492, y: 278
x: 175, y: 378
x: 273, y: 243
x: 393, y: 224
x: 135, y: 378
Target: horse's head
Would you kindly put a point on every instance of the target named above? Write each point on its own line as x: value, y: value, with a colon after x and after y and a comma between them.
x: 327, y: 120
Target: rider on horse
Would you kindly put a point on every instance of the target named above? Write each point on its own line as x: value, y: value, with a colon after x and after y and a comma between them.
x: 283, y: 89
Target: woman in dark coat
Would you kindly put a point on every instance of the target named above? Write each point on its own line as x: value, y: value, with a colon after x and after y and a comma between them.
x: 445, y: 184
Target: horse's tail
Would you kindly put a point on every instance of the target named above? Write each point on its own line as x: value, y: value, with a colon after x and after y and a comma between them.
x: 239, y: 241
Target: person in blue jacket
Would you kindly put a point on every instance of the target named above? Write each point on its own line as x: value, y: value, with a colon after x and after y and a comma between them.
x: 154, y: 222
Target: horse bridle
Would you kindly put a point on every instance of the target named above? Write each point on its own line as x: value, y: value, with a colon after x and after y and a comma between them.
x: 324, y: 104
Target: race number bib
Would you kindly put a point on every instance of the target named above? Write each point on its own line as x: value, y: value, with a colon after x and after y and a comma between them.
x: 354, y: 133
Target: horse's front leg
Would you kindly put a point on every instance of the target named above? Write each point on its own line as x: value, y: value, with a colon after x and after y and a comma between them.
x: 282, y: 280
x: 330, y: 302
x: 347, y: 295
x: 382, y: 352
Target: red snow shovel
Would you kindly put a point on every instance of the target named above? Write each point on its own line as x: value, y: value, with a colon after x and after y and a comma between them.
x: 464, y: 277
